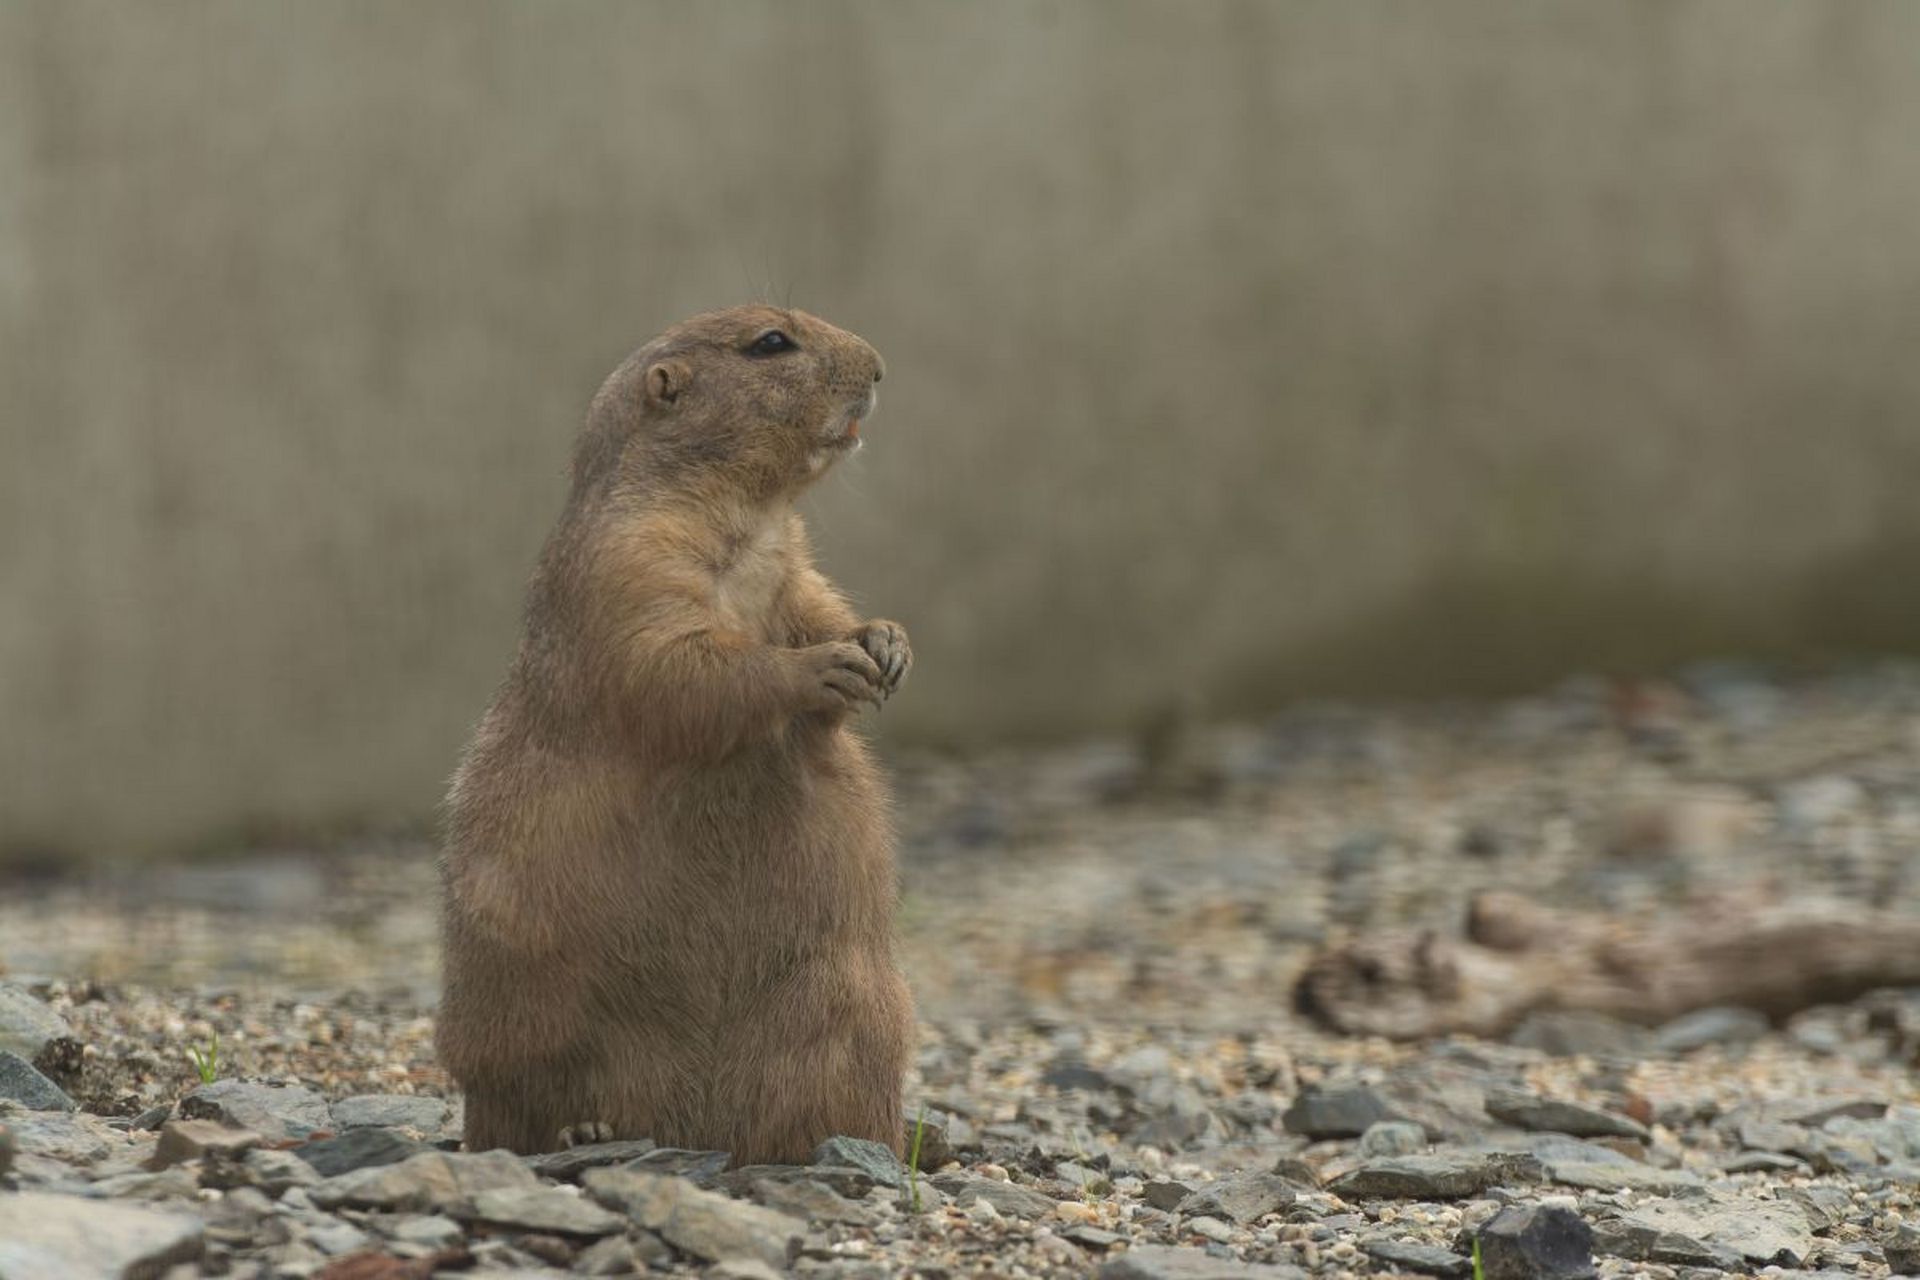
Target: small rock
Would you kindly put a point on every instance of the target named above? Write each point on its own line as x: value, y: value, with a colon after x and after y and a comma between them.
x: 743, y: 1269
x: 152, y: 1118
x: 335, y: 1238
x: 1761, y: 1162
x: 439, y: 1181
x: 1095, y: 1238
x: 936, y: 1142
x: 391, y: 1111
x: 849, y: 1183
x: 1165, y: 1195
x: 276, y: 1172
x: 272, y: 1111
x: 71, y: 1137
x: 1617, y: 1175
x: 1392, y: 1138
x: 706, y: 1224
x: 701, y: 1168
x: 27, y: 1024
x: 56, y: 1236
x: 1210, y: 1228
x: 568, y: 1165
x: 20, y: 1082
x: 430, y: 1231
x: 6, y: 1150
x: 1720, y: 1024
x: 1427, y: 1259
x: 184, y: 1140
x: 540, y: 1208
x: 614, y: 1256
x: 1533, y: 1242
x: 360, y: 1149
x: 1162, y: 1262
x: 1700, y: 1231
x: 1243, y: 1198
x: 1903, y: 1251
x: 1070, y: 1071
x: 1337, y: 1111
x: 1841, y: 1109
x: 1008, y: 1199
x: 1530, y: 1111
x: 1435, y: 1177
x: 869, y: 1157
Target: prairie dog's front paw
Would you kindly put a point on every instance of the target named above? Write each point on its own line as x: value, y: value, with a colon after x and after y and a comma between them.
x: 838, y: 676
x: 887, y: 642
x: 586, y: 1133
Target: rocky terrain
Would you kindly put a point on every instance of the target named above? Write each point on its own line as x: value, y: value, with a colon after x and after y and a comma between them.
x: 1112, y: 1079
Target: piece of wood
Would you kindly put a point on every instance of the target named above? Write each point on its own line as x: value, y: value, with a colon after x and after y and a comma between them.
x: 1519, y: 958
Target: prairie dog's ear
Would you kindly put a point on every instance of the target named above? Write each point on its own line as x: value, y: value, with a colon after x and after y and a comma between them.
x: 667, y: 381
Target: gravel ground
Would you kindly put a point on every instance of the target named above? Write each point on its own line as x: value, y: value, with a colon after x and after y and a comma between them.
x: 1103, y: 941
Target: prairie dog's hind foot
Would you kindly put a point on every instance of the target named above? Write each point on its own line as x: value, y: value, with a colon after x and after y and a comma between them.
x: 585, y: 1134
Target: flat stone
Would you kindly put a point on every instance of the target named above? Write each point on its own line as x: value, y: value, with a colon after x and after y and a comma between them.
x: 1622, y: 1175
x: 1427, y: 1259
x: 568, y: 1165
x: 850, y: 1183
x: 1337, y: 1111
x: 805, y: 1198
x: 1720, y: 1024
x: 1165, y: 1262
x: 1095, y: 1238
x: 701, y: 1168
x: 1903, y: 1251
x: 272, y: 1111
x: 1762, y: 1162
x: 54, y: 1237
x: 706, y: 1224
x: 69, y: 1137
x: 391, y: 1111
x: 359, y: 1149
x: 870, y: 1158
x: 275, y: 1172
x: 1430, y: 1177
x: 1839, y: 1109
x: 184, y: 1140
x: 335, y: 1238
x: 433, y: 1181
x: 27, y: 1025
x: 1244, y: 1198
x: 541, y: 1208
x: 21, y: 1082
x: 7, y: 1148
x: 1531, y: 1111
x: 1571, y: 1033
x: 1697, y: 1230
x: 431, y: 1231
x: 1008, y: 1199
x: 1165, y: 1195
x: 1535, y: 1242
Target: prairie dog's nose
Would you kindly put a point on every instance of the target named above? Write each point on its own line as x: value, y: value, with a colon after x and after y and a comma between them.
x: 879, y: 366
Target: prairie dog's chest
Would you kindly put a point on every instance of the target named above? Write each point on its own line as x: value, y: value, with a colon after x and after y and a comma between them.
x: 749, y: 584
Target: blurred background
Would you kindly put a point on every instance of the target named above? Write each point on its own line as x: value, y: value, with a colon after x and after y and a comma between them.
x: 1239, y: 354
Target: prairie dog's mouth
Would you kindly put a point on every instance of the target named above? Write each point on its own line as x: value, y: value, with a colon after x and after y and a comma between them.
x: 845, y: 432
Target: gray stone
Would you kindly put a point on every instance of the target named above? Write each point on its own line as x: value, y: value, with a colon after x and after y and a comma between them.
x: 1244, y: 1198
x: 540, y: 1208
x: 568, y: 1165
x: 1427, y: 1259
x: 272, y: 1111
x: 1617, y: 1175
x: 360, y: 1149
x: 1840, y: 1109
x: 869, y: 1157
x: 1165, y: 1194
x: 706, y: 1224
x: 21, y: 1083
x: 1392, y: 1138
x: 53, y: 1237
x: 702, y: 1168
x: 850, y: 1183
x: 1697, y: 1230
x: 619, y: 1256
x: 1762, y: 1162
x: 1337, y: 1111
x: 1006, y: 1198
x: 433, y: 1181
x: 1535, y: 1242
x: 391, y: 1111
x: 27, y: 1024
x: 1164, y: 1262
x: 334, y: 1237
x: 429, y: 1231
x: 184, y: 1140
x: 1094, y: 1238
x: 805, y: 1198
x: 1435, y: 1177
x: 936, y: 1141
x: 276, y: 1172
x: 7, y: 1148
x: 1903, y: 1251
x: 71, y: 1137
x: 1531, y: 1111
x: 1720, y: 1024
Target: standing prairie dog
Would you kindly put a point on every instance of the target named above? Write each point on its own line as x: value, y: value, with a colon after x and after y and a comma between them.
x: 668, y: 870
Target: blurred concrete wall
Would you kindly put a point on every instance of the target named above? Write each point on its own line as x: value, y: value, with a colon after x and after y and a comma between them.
x: 1237, y: 350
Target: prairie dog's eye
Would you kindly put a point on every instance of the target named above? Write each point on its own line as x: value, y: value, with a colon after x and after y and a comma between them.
x: 770, y: 343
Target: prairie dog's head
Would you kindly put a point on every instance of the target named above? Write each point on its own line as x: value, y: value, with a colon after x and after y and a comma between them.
x: 768, y: 396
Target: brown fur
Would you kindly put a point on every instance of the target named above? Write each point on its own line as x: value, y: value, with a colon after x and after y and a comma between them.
x: 669, y: 881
